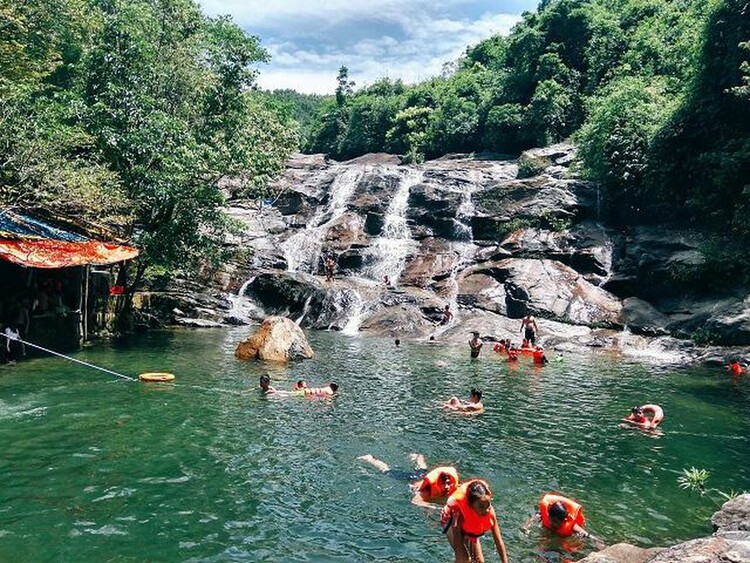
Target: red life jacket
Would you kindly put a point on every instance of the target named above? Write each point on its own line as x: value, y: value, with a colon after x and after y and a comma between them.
x: 431, y: 485
x: 472, y: 524
x: 575, y: 513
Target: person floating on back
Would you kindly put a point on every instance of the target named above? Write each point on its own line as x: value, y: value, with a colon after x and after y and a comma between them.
x: 466, y: 516
x: 428, y: 486
x: 326, y: 391
x: 472, y: 406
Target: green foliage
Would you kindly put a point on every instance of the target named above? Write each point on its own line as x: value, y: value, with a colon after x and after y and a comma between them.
x: 510, y: 227
x: 529, y: 166
x: 695, y: 480
x: 615, y: 140
x: 130, y: 113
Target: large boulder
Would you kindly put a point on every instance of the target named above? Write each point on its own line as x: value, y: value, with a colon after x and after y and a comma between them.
x: 733, y: 516
x: 550, y: 289
x: 278, y: 340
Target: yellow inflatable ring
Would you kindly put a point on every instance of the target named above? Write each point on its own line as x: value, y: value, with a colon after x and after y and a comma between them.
x: 157, y: 377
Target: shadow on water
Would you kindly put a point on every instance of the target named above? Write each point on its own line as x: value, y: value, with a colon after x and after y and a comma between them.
x: 210, y: 470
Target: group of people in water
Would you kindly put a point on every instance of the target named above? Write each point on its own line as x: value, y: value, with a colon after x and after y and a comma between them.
x: 466, y: 511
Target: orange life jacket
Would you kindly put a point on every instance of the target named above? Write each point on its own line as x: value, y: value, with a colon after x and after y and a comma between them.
x: 512, y: 355
x: 735, y: 368
x: 538, y: 356
x: 431, y: 485
x: 472, y: 524
x: 575, y: 513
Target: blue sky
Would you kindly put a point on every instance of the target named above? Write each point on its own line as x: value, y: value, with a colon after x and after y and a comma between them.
x: 409, y: 39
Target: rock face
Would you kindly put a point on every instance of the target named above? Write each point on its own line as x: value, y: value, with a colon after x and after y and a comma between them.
x: 464, y: 231
x: 278, y: 339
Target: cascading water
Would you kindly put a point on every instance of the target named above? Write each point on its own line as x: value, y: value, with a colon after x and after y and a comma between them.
x: 243, y: 308
x: 302, y: 250
x: 391, y: 249
x: 463, y: 246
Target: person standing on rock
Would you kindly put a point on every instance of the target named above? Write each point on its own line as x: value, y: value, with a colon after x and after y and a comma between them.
x: 475, y: 344
x: 330, y: 265
x: 529, y: 329
x: 447, y: 315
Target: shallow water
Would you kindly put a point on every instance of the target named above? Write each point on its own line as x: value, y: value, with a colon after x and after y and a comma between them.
x: 99, y: 469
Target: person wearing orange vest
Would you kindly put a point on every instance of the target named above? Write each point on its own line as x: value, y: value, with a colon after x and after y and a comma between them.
x: 466, y: 516
x: 562, y: 515
x: 428, y: 486
x: 735, y: 368
x: 539, y: 357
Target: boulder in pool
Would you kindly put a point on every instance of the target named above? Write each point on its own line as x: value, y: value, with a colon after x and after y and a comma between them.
x: 278, y: 340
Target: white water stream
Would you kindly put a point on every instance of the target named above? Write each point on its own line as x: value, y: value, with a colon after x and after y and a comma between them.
x: 302, y: 250
x: 391, y: 249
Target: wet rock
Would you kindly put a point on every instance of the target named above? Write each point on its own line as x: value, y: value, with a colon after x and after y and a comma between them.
x: 278, y: 339
x: 550, y: 289
x: 706, y: 550
x: 734, y: 515
x: 622, y: 553
x: 643, y: 318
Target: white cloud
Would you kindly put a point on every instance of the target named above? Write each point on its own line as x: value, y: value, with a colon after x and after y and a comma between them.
x: 265, y: 12
x: 309, y: 41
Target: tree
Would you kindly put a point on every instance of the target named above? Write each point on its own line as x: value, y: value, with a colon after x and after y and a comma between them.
x: 166, y: 98
x: 344, y: 88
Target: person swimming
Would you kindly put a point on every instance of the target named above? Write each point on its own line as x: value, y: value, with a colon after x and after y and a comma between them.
x: 300, y: 385
x: 428, y: 486
x: 472, y: 406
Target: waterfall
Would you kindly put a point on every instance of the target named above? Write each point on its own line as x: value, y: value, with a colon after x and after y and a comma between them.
x: 391, y: 249
x: 305, y: 310
x: 243, y: 308
x: 302, y: 250
x: 464, y: 246
x: 356, y: 312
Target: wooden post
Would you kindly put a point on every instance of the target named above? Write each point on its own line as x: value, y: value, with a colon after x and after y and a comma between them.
x: 85, y: 308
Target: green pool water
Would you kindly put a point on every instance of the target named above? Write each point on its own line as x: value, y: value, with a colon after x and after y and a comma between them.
x: 98, y: 469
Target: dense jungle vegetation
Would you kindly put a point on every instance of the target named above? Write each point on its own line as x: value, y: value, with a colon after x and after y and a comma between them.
x: 655, y: 92
x: 130, y: 113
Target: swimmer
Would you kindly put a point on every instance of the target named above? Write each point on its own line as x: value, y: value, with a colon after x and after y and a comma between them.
x: 539, y: 357
x: 300, y: 385
x: 466, y: 516
x: 472, y: 406
x: 638, y: 416
x: 265, y: 385
x: 561, y: 515
x: 475, y: 344
x: 427, y: 486
x: 327, y: 391
x: 397, y: 342
x: 735, y: 368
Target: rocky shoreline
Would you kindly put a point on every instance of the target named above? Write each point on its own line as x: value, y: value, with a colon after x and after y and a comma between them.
x: 729, y: 543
